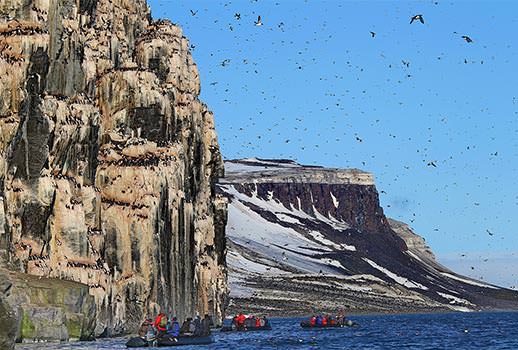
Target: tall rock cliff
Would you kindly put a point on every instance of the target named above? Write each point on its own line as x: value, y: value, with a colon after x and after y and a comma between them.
x: 108, y: 159
x: 309, y: 239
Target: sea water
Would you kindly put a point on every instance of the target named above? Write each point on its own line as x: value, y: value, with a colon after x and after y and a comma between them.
x: 425, y: 331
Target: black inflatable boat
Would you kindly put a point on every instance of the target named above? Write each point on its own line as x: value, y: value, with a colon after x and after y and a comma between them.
x: 230, y: 326
x: 138, y: 342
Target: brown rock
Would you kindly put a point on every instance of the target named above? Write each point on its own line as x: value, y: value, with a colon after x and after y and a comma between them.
x: 108, y: 159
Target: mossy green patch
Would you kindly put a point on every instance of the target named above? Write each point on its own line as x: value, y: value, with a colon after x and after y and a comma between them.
x: 28, y: 328
x: 74, y: 324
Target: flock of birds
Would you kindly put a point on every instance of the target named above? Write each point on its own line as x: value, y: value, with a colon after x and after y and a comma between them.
x: 240, y: 132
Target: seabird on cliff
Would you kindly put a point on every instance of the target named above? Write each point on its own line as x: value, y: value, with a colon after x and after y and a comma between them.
x: 258, y: 22
x: 417, y: 17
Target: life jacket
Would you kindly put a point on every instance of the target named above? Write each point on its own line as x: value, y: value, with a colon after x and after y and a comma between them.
x: 324, y: 321
x: 258, y: 322
x: 312, y: 321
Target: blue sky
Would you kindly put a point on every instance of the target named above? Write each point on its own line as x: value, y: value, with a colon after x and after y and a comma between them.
x: 313, y: 85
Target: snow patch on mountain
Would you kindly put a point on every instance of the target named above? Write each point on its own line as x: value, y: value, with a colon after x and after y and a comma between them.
x: 464, y: 280
x: 398, y: 279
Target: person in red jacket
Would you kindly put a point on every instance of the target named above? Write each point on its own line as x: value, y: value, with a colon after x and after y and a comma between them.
x: 258, y: 322
x: 324, y: 321
x: 312, y: 321
x: 240, y: 321
x: 161, y: 323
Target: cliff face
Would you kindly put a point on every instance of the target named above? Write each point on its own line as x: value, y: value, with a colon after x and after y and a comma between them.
x: 108, y: 159
x: 308, y: 239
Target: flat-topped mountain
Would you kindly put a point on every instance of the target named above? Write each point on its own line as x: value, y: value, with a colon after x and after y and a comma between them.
x: 305, y: 238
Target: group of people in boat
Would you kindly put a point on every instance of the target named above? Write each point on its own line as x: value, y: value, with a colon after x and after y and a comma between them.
x: 328, y: 321
x: 169, y: 326
x: 242, y: 322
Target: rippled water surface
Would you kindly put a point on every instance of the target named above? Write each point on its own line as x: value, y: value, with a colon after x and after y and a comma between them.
x: 434, y: 331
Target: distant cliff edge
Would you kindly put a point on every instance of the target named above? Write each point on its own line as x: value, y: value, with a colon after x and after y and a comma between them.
x: 108, y: 163
x: 306, y: 239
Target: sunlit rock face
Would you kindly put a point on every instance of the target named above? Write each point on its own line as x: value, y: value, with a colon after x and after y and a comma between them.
x: 108, y: 159
x: 306, y: 239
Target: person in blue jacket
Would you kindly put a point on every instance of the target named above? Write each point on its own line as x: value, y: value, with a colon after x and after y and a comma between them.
x: 319, y: 321
x: 173, y: 327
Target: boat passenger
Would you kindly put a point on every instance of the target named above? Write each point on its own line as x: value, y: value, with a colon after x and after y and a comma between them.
x: 143, y: 328
x: 151, y: 333
x: 198, y: 329
x: 161, y: 323
x: 258, y: 322
x: 240, y: 321
x: 192, y: 326
x: 319, y: 321
x: 206, y: 323
x: 185, y: 326
x: 262, y: 321
x: 313, y: 321
x: 332, y: 321
x: 173, y: 327
x: 250, y: 322
x: 324, y: 321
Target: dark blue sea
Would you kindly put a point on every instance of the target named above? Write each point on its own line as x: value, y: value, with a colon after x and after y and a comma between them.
x: 430, y: 331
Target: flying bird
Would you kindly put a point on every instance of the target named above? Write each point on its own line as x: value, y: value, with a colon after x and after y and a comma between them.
x: 258, y: 22
x: 490, y: 233
x: 467, y: 38
x: 237, y: 16
x: 373, y: 34
x: 417, y: 18
x: 193, y: 12
x: 432, y: 164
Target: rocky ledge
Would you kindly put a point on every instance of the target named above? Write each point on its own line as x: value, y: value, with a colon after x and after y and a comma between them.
x: 45, y: 309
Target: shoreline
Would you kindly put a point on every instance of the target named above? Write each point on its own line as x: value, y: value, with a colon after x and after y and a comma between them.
x: 395, y: 313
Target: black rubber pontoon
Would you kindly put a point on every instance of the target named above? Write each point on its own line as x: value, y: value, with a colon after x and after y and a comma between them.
x: 138, y: 342
x: 267, y: 327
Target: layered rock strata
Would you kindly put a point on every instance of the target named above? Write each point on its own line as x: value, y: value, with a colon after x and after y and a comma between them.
x: 108, y: 159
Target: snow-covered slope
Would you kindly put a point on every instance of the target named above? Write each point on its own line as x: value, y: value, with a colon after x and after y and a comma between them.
x: 304, y: 239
